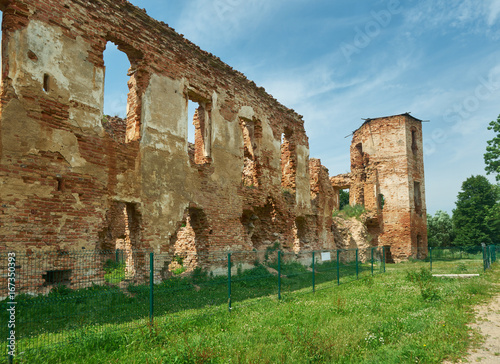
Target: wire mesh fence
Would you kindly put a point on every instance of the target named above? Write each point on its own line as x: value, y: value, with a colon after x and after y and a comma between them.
x: 56, y: 298
x: 53, y: 299
x: 458, y: 260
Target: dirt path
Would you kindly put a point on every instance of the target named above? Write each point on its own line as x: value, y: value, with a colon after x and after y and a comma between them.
x: 488, y: 323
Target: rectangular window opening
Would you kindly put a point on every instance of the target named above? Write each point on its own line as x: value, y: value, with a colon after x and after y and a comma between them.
x: 192, y: 114
x: 343, y: 198
x: 53, y: 277
x: 199, y: 129
x: 381, y: 201
x: 417, y: 197
x: 414, y: 141
x: 123, y: 85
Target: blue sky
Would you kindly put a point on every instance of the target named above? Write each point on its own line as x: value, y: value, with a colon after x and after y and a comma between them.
x: 338, y: 61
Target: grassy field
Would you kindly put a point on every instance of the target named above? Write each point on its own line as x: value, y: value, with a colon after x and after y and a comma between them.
x: 49, y: 320
x: 458, y: 266
x: 403, y: 316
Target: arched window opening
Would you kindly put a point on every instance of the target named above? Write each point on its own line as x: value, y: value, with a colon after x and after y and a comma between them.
x: 190, y: 242
x: 122, y: 236
x: 123, y: 87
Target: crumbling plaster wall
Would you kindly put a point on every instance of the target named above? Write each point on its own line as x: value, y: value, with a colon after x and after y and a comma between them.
x: 63, y: 165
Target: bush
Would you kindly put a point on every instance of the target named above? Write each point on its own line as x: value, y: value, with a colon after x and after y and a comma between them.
x: 424, y: 281
x: 349, y: 211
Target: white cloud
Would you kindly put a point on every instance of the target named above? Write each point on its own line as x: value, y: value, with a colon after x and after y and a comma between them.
x: 467, y: 15
x: 494, y: 11
x: 401, y: 71
x: 207, y: 22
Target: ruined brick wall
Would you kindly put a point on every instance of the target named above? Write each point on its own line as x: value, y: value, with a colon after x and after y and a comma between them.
x: 323, y: 203
x: 74, y: 179
x: 387, y: 177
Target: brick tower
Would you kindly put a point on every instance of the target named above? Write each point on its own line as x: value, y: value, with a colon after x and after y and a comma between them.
x: 387, y: 177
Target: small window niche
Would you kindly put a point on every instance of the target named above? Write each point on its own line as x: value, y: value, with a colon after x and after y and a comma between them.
x: 60, y: 184
x: 46, y: 82
x: 359, y: 149
x: 199, y: 126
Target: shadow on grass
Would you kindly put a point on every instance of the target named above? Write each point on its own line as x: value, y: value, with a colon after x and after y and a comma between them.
x: 66, y: 309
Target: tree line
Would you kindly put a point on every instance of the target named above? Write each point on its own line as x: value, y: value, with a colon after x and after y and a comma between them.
x: 476, y: 217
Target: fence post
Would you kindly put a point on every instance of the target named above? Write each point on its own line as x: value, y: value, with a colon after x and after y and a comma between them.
x: 430, y: 256
x: 229, y: 281
x: 485, y: 263
x: 383, y: 260
x: 151, y: 285
x: 372, y: 260
x: 279, y: 274
x: 116, y: 255
x: 313, y: 271
x: 357, y: 269
x: 485, y: 258
x: 338, y: 267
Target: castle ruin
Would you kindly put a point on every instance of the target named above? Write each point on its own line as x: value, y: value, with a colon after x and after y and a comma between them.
x: 72, y: 178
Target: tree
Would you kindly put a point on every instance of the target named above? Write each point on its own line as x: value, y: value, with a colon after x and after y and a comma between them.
x: 471, y: 217
x: 492, y: 155
x: 492, y: 161
x: 493, y: 218
x: 440, y: 229
x: 343, y: 199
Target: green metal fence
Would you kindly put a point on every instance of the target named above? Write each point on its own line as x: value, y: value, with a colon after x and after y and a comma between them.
x: 58, y: 297
x: 458, y: 260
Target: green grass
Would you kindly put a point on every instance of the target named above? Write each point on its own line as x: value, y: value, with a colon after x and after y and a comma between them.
x: 403, y: 316
x: 458, y: 266
x: 114, y: 271
x: 349, y: 211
